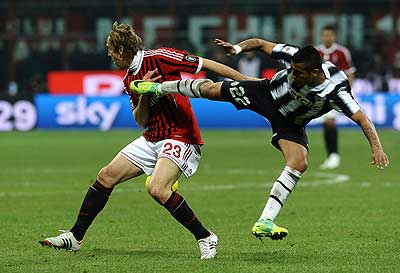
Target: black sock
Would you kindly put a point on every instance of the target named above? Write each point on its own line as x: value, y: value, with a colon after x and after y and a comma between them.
x: 95, y: 200
x: 331, y: 139
x: 181, y: 211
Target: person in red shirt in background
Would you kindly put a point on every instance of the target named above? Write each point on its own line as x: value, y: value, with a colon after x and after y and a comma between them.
x: 170, y: 145
x: 339, y: 56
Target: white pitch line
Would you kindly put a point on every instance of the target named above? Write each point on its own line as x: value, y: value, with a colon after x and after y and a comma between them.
x: 321, y: 180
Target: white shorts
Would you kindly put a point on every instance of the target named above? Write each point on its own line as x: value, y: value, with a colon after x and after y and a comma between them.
x: 144, y: 154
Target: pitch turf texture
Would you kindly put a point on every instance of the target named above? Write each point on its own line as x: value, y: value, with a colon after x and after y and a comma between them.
x: 345, y: 220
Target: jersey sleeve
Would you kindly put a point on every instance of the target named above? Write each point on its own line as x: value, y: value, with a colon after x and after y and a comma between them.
x: 173, y: 61
x: 343, y: 101
x: 284, y: 53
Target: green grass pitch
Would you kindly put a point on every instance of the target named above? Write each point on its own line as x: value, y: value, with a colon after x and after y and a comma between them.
x: 345, y: 220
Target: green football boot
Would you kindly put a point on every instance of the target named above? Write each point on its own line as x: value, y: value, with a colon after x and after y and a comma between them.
x: 267, y: 228
x: 142, y: 87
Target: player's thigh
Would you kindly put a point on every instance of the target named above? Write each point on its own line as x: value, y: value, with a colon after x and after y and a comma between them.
x: 165, y: 173
x: 141, y: 153
x: 252, y: 95
x: 118, y: 170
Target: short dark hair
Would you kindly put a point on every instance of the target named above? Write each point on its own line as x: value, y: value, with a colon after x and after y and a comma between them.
x: 329, y: 28
x: 308, y: 55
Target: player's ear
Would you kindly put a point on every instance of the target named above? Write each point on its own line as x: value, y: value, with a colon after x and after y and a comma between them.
x: 315, y: 72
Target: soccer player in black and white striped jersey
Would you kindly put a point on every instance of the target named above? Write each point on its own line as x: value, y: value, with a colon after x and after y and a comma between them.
x: 305, y: 90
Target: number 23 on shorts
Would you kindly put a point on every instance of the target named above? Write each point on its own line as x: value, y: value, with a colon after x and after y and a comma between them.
x: 171, y: 149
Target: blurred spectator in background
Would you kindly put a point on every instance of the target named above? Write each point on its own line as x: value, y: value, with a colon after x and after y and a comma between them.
x: 339, y: 56
x: 217, y: 55
x: 250, y: 64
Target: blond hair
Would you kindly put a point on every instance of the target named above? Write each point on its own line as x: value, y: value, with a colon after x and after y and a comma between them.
x: 123, y: 35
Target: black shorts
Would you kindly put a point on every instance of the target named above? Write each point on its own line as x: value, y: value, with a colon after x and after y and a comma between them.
x: 256, y: 96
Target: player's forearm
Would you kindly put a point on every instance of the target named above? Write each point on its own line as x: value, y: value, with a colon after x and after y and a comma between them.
x: 142, y: 111
x: 370, y: 133
x: 257, y: 44
x: 225, y: 71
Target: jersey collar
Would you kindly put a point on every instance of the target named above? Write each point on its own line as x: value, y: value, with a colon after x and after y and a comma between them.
x: 136, y: 62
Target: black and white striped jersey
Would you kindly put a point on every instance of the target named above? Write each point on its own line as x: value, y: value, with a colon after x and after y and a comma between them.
x: 303, y: 105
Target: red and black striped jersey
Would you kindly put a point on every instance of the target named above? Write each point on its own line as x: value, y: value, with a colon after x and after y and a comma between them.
x: 339, y: 56
x: 171, y: 116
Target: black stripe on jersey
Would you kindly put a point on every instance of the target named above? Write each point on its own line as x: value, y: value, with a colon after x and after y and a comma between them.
x: 280, y: 55
x: 168, y: 108
x: 159, y: 70
x: 168, y: 112
x: 278, y: 82
x: 193, y: 66
x: 170, y: 118
x: 163, y: 125
x: 341, y: 104
x: 303, y: 109
x: 151, y: 129
x: 298, y: 112
x: 283, y: 100
x: 333, y: 70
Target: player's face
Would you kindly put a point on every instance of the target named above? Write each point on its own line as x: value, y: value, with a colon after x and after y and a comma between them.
x: 117, y: 56
x: 328, y: 37
x: 300, y: 75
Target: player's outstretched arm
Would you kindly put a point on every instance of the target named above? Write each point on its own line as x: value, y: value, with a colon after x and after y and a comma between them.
x: 247, y: 45
x: 379, y: 158
x: 225, y: 71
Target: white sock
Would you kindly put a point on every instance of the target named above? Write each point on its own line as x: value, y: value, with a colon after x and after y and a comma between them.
x: 280, y: 192
x: 189, y: 88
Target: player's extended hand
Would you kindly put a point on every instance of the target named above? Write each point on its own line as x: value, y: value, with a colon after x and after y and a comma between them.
x: 380, y: 159
x: 230, y: 50
x: 152, y: 76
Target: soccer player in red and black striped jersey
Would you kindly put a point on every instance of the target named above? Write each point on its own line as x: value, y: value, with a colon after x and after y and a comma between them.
x: 341, y: 58
x: 170, y: 145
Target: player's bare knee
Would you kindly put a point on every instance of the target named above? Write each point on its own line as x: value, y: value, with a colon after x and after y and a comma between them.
x: 299, y: 163
x: 107, y: 177
x: 302, y: 165
x: 158, y: 191
x: 154, y: 188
